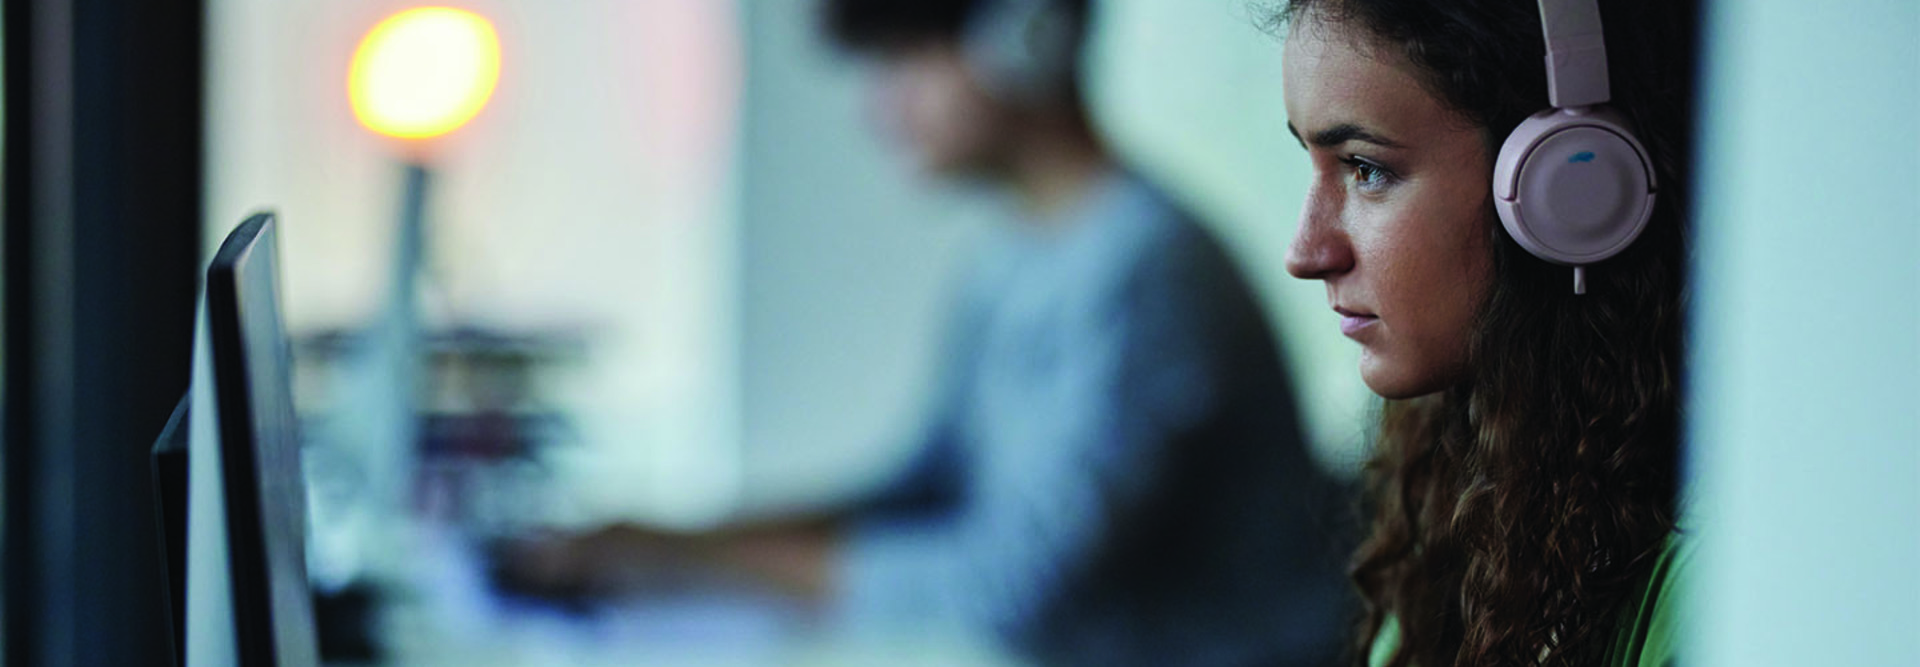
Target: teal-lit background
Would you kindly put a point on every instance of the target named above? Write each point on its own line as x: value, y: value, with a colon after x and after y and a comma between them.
x: 761, y: 326
x: 1806, y: 395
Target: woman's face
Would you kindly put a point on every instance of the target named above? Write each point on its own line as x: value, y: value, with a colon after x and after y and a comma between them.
x: 1396, y: 218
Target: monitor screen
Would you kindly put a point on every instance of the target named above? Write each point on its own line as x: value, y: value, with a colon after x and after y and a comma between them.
x: 247, y: 593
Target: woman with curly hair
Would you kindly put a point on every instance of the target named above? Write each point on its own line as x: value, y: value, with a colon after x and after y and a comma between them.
x: 1522, y: 496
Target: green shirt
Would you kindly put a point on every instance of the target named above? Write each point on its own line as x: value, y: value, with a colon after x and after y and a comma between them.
x: 1650, y: 626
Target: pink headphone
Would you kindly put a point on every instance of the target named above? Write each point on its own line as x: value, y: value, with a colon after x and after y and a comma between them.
x: 1572, y: 184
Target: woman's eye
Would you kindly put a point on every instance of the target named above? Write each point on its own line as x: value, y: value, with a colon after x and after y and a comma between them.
x: 1367, y: 175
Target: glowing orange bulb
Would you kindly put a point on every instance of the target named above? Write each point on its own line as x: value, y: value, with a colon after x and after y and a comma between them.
x: 424, y: 72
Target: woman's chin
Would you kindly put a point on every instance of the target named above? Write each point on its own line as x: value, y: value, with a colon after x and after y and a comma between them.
x: 1393, y: 381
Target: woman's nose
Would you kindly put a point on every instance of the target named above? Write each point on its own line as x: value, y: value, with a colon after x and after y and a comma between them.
x: 1320, y: 248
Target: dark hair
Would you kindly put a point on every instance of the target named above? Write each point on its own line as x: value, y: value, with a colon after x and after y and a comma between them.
x: 866, y: 25
x: 1513, y: 515
x: 874, y: 25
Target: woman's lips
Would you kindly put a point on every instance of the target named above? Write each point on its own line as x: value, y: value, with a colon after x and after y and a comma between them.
x: 1352, y: 323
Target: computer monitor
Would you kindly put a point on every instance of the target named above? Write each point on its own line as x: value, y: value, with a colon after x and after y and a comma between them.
x: 170, y: 497
x: 247, y: 598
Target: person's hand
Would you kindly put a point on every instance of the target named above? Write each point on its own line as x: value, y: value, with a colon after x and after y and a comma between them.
x: 793, y: 557
x: 574, y: 565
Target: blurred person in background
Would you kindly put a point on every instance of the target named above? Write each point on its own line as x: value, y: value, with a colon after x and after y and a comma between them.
x: 1525, y: 481
x: 1112, y: 473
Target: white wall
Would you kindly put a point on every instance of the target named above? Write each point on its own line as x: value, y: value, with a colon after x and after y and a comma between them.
x: 1806, y: 396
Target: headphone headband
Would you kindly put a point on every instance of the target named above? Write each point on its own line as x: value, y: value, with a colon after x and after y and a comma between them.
x: 1025, y: 49
x: 1572, y: 185
x: 1576, y: 53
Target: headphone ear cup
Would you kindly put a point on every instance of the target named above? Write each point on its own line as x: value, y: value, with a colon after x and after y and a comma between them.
x: 1024, y: 50
x: 1573, y: 188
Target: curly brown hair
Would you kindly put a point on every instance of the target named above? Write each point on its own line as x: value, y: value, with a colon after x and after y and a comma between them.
x: 1513, y: 514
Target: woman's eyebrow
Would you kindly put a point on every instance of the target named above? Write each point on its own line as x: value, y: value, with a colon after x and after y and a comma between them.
x: 1340, y: 134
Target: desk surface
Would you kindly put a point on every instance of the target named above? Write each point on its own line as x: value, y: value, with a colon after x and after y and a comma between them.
x: 440, y: 611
